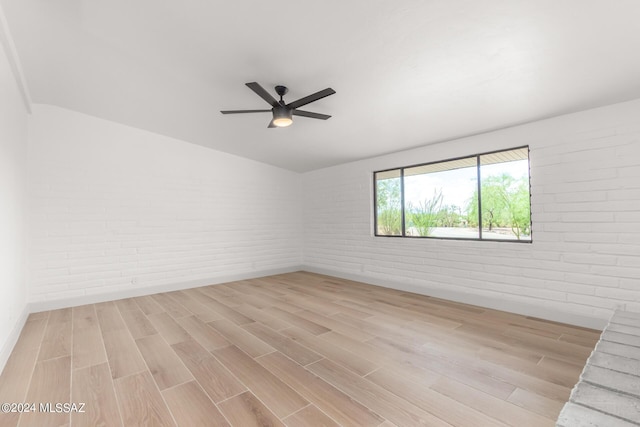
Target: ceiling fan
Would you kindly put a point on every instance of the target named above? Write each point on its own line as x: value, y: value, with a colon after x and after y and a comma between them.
x: 282, y: 113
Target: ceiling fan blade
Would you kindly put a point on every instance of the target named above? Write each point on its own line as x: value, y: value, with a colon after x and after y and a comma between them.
x: 244, y: 111
x: 310, y: 114
x: 271, y: 125
x: 262, y: 93
x: 314, y: 97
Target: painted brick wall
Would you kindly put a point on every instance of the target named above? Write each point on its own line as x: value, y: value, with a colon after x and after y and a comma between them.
x: 585, y: 257
x: 113, y: 208
x: 13, y: 174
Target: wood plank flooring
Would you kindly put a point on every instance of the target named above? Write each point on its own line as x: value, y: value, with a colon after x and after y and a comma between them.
x: 296, y: 349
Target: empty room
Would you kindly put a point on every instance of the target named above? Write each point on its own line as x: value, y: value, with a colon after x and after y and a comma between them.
x: 366, y: 213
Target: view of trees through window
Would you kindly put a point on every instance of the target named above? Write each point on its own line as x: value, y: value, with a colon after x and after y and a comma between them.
x: 389, y: 203
x: 480, y: 197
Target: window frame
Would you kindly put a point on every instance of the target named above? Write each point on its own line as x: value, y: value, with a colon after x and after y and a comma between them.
x: 477, y: 156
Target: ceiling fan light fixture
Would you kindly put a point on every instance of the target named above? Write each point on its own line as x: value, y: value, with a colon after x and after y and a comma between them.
x: 283, y: 122
x: 282, y: 117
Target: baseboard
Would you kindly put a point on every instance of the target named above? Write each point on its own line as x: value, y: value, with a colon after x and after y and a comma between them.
x: 482, y: 301
x: 137, y: 292
x: 12, y: 339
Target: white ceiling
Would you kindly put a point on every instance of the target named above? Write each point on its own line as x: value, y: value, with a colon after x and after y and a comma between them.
x: 406, y: 72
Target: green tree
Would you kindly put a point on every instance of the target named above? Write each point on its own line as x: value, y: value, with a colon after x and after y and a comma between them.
x: 471, y: 211
x: 388, y: 201
x: 450, y: 216
x: 425, y: 215
x: 517, y: 204
x: 505, y: 203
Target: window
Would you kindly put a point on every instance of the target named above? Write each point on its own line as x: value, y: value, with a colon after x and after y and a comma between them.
x: 482, y: 197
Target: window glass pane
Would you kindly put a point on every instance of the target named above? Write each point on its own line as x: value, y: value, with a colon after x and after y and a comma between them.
x: 388, y: 203
x: 439, y: 197
x: 505, y: 195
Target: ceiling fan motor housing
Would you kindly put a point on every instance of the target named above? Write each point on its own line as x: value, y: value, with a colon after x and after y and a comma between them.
x: 282, y: 113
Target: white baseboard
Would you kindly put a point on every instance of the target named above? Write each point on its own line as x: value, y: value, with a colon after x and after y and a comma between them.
x: 12, y: 339
x: 136, y: 292
x: 482, y: 301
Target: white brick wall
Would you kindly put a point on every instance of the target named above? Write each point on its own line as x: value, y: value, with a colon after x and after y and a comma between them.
x: 585, y: 257
x: 113, y: 208
x: 13, y: 171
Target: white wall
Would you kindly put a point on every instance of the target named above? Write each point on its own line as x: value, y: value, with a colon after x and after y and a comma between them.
x: 13, y: 170
x: 119, y: 211
x: 585, y: 257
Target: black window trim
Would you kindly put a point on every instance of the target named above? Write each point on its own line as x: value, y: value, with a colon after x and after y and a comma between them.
x: 402, y: 213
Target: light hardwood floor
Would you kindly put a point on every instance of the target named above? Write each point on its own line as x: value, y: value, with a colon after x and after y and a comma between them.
x: 296, y: 349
